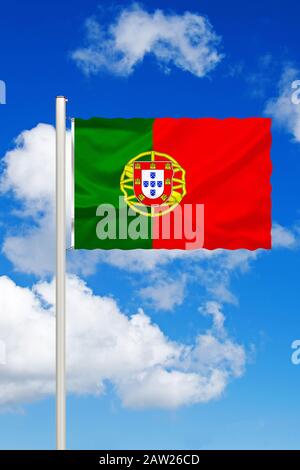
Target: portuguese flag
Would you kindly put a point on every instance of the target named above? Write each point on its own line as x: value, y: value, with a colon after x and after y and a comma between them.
x: 172, y: 183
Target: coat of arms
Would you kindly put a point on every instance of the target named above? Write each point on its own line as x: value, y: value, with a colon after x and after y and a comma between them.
x: 153, y: 183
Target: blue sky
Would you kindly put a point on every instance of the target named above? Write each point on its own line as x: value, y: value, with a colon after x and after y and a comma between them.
x: 253, y: 401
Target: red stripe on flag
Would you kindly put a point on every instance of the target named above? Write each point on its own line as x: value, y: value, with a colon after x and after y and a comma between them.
x: 228, y: 169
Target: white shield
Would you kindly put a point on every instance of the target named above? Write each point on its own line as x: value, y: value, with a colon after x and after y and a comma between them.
x: 152, y: 183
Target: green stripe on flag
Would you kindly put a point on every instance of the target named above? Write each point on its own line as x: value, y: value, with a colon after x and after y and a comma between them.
x: 102, y: 149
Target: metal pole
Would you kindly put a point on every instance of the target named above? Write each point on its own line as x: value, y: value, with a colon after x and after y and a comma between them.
x: 60, y: 272
x: 73, y: 182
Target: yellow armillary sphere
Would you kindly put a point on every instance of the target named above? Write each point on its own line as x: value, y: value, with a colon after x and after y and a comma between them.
x: 153, y: 183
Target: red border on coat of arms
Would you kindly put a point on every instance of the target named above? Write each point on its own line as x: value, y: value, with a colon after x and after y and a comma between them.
x: 167, y: 168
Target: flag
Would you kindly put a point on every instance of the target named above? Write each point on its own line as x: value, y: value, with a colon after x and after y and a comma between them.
x: 172, y: 183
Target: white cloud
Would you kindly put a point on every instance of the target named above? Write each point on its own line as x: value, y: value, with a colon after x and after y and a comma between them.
x: 29, y: 174
x: 171, y: 388
x: 186, y: 41
x: 283, y: 237
x: 284, y: 112
x: 166, y: 293
x: 32, y: 250
x: 222, y: 293
x: 2, y: 353
x: 213, y: 309
x: 30, y: 168
x: 146, y: 368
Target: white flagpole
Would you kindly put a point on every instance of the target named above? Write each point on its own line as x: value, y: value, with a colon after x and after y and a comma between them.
x: 60, y: 272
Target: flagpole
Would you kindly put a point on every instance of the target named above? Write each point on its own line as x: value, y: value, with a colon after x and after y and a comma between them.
x: 60, y: 272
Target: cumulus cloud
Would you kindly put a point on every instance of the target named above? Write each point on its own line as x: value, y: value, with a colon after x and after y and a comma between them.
x: 30, y: 175
x: 186, y: 41
x: 165, y: 293
x: 213, y: 309
x: 284, y: 112
x: 30, y: 168
x: 146, y: 368
x: 283, y: 237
